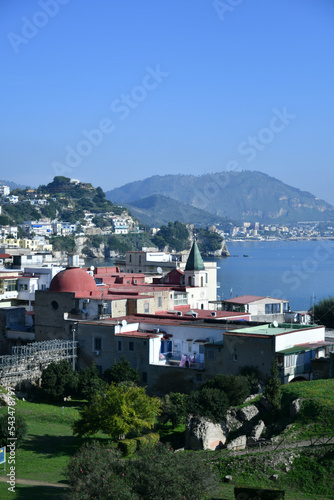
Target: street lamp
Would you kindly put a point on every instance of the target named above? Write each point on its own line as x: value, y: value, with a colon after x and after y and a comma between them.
x: 74, y: 329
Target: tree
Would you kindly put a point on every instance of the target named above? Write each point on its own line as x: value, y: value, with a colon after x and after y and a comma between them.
x: 324, y: 312
x: 120, y: 410
x: 90, y: 382
x: 211, y: 403
x: 121, y: 371
x: 100, y: 472
x: 254, y: 377
x: 272, y: 391
x: 59, y: 380
x: 235, y: 387
x: 174, y: 408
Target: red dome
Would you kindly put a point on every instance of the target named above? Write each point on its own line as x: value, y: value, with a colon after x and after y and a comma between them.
x: 72, y: 279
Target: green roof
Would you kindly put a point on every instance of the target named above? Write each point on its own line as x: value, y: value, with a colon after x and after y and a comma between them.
x: 195, y: 261
x: 271, y: 330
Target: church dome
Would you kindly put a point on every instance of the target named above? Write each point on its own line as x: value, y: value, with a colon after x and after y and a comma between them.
x: 72, y: 279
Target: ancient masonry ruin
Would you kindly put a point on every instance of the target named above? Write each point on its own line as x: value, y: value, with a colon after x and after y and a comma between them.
x: 27, y: 362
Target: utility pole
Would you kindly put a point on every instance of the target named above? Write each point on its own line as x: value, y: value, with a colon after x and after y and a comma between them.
x: 74, y: 329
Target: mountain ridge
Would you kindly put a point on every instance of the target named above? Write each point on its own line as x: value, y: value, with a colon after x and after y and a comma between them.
x: 244, y: 195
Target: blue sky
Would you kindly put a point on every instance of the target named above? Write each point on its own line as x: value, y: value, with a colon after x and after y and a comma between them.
x: 110, y: 92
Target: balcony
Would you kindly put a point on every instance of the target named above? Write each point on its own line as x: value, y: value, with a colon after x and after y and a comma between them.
x: 181, y: 360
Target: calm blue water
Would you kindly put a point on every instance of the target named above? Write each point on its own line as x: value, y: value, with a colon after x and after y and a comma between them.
x: 283, y: 269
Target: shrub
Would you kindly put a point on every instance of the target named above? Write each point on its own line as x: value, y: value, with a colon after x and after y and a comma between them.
x: 235, y: 387
x: 209, y: 403
x: 142, y: 442
x: 20, y: 429
x: 99, y: 472
x: 174, y: 408
x: 127, y: 446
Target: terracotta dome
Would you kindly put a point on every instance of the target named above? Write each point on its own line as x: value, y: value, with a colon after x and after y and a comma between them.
x: 72, y: 279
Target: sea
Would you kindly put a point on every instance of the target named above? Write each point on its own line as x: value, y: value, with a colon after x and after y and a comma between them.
x: 299, y: 271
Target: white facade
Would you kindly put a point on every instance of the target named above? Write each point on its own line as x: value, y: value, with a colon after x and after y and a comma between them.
x: 4, y: 190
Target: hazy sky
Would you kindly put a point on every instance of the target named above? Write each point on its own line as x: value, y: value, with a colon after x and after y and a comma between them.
x: 111, y: 91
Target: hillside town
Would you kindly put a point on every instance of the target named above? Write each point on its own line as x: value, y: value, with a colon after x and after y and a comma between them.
x: 154, y: 311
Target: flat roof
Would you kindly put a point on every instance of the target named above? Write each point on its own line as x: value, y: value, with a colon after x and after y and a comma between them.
x: 246, y: 299
x: 270, y: 330
x: 305, y: 347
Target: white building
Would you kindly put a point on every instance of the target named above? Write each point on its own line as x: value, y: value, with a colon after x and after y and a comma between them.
x: 4, y: 190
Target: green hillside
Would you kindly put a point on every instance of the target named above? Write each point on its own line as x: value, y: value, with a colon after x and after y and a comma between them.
x: 245, y: 195
x: 157, y: 210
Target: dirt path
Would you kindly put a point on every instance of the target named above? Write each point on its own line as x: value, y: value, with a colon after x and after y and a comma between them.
x: 32, y: 482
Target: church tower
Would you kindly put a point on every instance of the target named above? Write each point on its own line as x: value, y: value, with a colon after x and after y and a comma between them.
x: 194, y: 272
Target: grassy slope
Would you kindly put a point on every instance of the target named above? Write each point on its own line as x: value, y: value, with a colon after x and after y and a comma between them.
x: 50, y: 441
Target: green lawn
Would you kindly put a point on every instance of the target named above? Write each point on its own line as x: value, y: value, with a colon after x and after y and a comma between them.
x: 50, y: 442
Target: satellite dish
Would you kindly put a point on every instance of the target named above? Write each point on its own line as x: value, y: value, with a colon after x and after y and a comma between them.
x: 92, y: 268
x: 275, y: 324
x: 159, y: 270
x: 124, y: 322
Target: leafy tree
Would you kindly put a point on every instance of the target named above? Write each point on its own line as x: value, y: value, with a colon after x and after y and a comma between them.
x: 63, y: 243
x: 59, y: 380
x: 272, y: 391
x: 90, y: 382
x: 174, y: 408
x: 254, y: 377
x: 324, y: 312
x: 121, y: 371
x: 101, y: 472
x: 235, y: 387
x: 211, y: 403
x: 175, y: 236
x: 21, y: 429
x: 120, y: 410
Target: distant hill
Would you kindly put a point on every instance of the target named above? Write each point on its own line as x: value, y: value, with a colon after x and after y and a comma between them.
x: 245, y: 195
x: 12, y: 185
x: 158, y: 210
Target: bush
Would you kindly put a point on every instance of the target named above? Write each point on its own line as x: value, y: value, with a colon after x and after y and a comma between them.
x: 20, y: 429
x: 142, y: 442
x: 254, y: 377
x: 235, y: 387
x: 127, y: 446
x: 174, y: 408
x: 99, y: 472
x: 209, y: 403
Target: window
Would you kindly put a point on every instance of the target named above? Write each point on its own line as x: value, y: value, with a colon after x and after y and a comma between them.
x: 139, y: 259
x: 285, y: 306
x: 119, y: 345
x: 130, y: 258
x: 160, y: 302
x: 211, y: 354
x: 235, y: 357
x: 99, y: 369
x: 97, y: 344
x: 131, y: 346
x: 273, y: 308
x: 201, y: 349
x: 146, y: 308
x: 144, y: 377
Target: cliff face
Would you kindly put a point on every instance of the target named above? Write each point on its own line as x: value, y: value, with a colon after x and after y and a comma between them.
x: 221, y: 252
